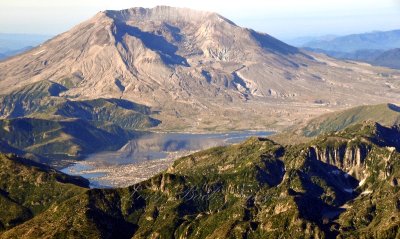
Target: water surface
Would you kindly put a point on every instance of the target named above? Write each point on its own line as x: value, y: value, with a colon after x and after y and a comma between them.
x: 148, y: 155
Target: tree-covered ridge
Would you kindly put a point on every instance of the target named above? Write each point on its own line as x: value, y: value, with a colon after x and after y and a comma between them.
x: 28, y: 188
x: 342, y: 184
x: 38, y: 124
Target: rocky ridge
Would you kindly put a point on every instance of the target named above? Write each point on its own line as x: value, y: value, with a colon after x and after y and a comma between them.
x: 255, y: 189
x: 191, y: 66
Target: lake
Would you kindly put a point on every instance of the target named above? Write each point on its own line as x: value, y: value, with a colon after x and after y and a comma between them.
x: 143, y: 157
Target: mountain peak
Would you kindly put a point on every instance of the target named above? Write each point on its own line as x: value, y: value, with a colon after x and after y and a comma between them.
x: 163, y: 13
x: 169, y: 58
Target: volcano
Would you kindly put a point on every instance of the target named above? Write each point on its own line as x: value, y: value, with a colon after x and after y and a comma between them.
x: 198, y: 70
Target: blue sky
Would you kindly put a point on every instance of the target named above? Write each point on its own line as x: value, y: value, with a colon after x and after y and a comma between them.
x: 284, y: 19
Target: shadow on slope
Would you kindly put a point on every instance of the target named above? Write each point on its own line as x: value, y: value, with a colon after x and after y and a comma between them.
x: 159, y: 44
x: 273, y: 44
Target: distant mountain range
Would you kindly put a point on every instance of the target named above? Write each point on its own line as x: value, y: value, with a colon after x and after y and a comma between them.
x: 377, y: 40
x: 190, y: 67
x: 389, y: 58
x: 169, y: 69
x: 9, y: 53
x: 121, y: 73
x: 13, y: 44
x: 377, y: 48
x: 301, y: 41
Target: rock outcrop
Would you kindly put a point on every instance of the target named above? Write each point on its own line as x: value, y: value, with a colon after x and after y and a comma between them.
x: 254, y: 189
x: 348, y: 158
x: 191, y: 66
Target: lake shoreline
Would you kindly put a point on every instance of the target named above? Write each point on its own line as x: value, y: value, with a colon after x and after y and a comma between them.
x: 152, y: 153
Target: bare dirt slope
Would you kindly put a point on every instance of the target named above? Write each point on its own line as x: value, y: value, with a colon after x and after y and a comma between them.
x: 198, y: 69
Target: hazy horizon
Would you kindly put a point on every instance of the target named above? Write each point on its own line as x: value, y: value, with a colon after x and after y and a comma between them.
x: 286, y: 19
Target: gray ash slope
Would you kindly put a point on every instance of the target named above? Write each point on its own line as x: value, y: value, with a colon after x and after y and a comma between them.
x: 194, y: 66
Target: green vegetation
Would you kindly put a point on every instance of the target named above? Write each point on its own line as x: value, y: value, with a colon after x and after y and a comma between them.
x: 343, y: 184
x: 40, y: 100
x: 28, y: 188
x: 385, y: 114
x: 62, y: 139
x: 36, y: 123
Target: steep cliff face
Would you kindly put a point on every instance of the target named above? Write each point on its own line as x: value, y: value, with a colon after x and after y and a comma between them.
x: 257, y: 189
x: 348, y: 157
x: 356, y: 155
